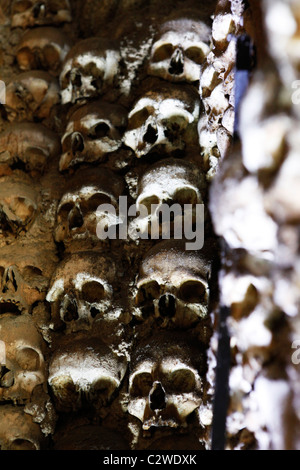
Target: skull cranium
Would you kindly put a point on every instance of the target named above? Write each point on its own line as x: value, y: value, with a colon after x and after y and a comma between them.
x: 18, y: 431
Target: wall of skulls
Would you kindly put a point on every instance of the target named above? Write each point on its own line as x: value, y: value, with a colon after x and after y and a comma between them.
x: 105, y: 341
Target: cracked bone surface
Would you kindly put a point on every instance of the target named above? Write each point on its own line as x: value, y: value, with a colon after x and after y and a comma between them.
x: 173, y: 284
x: 90, y: 69
x: 79, y: 212
x: 93, y: 131
x: 18, y: 431
x: 165, y: 380
x: 31, y: 96
x: 28, y: 13
x: 84, y: 370
x: 24, y: 367
x: 163, y: 120
x: 30, y: 145
x: 81, y: 289
x: 43, y: 48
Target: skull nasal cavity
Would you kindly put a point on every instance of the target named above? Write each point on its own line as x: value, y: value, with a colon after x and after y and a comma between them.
x: 75, y: 219
x: 176, y: 65
x: 151, y: 135
x: 167, y: 305
x: 157, y: 397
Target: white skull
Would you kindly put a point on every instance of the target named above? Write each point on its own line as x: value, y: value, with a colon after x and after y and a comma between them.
x: 18, y: 431
x: 168, y: 182
x: 84, y: 370
x: 173, y: 284
x: 29, y: 146
x: 31, y: 95
x: 18, y: 205
x: 43, y: 48
x: 90, y: 69
x: 93, y: 131
x: 165, y: 380
x: 81, y: 289
x: 25, y: 272
x: 163, y: 120
x: 24, y: 367
x: 28, y: 13
x: 77, y: 214
x: 179, y: 50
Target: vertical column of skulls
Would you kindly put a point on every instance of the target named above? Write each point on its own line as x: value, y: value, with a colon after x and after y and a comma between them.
x: 168, y: 394
x: 29, y: 144
x: 90, y: 333
x: 254, y: 209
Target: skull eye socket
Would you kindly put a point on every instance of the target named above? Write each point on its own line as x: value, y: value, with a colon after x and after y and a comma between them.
x: 148, y: 292
x: 39, y: 9
x: 148, y: 202
x: 139, y: 118
x: 181, y: 381
x: 141, y: 384
x: 65, y: 209
x: 163, y: 52
x: 100, y: 130
x: 195, y: 54
x: 193, y: 292
x: 28, y: 359
x: 93, y: 292
x: 186, y: 196
x: 22, y: 444
x: 92, y: 204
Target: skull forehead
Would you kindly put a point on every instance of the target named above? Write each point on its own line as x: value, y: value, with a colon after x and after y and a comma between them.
x: 186, y: 28
x: 170, y: 263
x: 29, y: 254
x: 88, y: 264
x: 14, y: 187
x: 16, y: 424
x: 92, y: 180
x: 19, y: 331
x: 170, y: 174
x: 90, y: 49
x: 86, y: 358
x: 175, y: 349
x: 86, y: 116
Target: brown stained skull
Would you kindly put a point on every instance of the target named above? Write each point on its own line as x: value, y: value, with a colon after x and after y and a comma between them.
x: 165, y: 380
x: 169, y: 182
x: 90, y: 69
x: 19, y: 201
x: 173, y: 284
x: 84, y: 371
x: 81, y: 289
x: 43, y: 48
x: 18, y: 431
x: 163, y: 120
x: 93, y: 131
x: 179, y: 50
x: 29, y: 13
x: 24, y: 367
x: 28, y: 146
x: 31, y: 95
x: 77, y: 215
x: 25, y: 272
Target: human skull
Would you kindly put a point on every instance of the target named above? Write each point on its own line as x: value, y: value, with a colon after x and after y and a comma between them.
x: 18, y: 431
x: 24, y: 367
x: 163, y: 120
x: 31, y: 95
x: 43, y: 48
x: 77, y: 214
x: 84, y: 370
x: 81, y: 289
x: 93, y: 131
x: 29, y: 146
x: 18, y: 205
x: 28, y: 13
x: 25, y: 272
x: 165, y: 380
x: 173, y: 284
x: 90, y: 69
x: 179, y: 50
x: 168, y: 182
